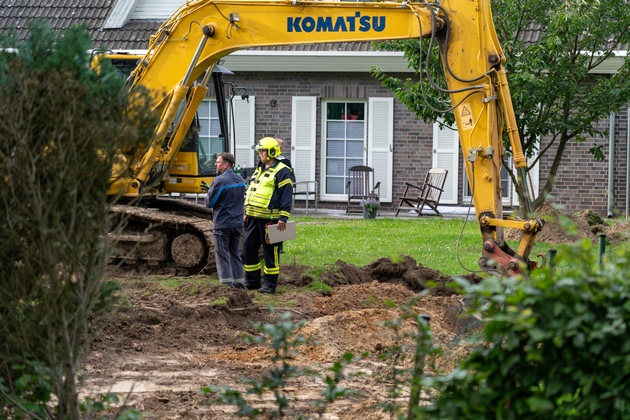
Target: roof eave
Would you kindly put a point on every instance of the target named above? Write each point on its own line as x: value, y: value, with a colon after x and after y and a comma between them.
x: 316, y: 61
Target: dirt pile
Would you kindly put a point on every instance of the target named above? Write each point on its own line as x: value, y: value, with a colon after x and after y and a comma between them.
x: 164, y: 344
x: 567, y: 228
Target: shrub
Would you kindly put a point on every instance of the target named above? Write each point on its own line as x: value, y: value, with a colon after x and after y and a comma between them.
x: 556, y: 344
x: 61, y: 127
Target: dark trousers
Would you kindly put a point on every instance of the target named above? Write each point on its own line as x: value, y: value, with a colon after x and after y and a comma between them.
x: 254, y: 239
x: 227, y: 250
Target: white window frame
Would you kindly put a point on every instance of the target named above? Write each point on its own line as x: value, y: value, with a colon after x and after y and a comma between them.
x: 343, y: 196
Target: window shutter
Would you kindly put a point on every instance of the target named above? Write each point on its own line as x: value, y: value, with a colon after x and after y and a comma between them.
x: 381, y: 143
x: 446, y: 156
x: 243, y: 131
x: 303, y: 138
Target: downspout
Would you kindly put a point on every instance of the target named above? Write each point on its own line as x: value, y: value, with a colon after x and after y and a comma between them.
x: 628, y: 161
x: 611, y: 164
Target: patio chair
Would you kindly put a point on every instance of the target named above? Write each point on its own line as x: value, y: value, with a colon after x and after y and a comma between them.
x: 361, y: 186
x: 415, y: 197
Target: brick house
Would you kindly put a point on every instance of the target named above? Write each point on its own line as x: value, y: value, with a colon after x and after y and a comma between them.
x: 295, y: 91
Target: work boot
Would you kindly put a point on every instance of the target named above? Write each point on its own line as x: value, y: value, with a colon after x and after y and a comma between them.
x: 240, y: 286
x: 253, y: 285
x: 267, y: 289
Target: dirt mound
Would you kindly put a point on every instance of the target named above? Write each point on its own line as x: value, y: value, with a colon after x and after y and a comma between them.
x: 562, y: 228
x: 164, y: 344
x: 407, y: 272
x: 618, y: 232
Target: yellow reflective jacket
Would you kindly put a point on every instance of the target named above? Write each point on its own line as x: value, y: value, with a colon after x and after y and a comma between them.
x: 270, y: 193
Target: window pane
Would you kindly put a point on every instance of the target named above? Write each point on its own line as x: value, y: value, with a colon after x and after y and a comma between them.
x: 335, y: 185
x: 335, y: 148
x: 354, y: 149
x: 356, y: 111
x: 335, y: 110
x: 216, y: 145
x: 335, y: 167
x: 214, y: 113
x: 336, y: 129
x: 203, y: 109
x: 204, y: 129
x: 355, y: 130
x: 215, y: 128
x: 206, y: 160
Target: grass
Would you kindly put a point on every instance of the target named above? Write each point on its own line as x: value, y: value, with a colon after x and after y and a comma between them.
x: 449, y: 245
x: 433, y: 242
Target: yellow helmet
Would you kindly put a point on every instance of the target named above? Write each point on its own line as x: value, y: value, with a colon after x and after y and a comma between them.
x: 269, y: 144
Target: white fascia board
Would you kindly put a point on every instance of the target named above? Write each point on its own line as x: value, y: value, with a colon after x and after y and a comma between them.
x: 341, y: 61
x: 316, y: 61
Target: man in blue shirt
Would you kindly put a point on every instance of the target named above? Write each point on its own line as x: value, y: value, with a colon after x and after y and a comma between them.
x: 225, y: 197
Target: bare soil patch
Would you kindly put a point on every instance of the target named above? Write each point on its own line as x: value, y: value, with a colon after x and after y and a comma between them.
x: 164, y: 345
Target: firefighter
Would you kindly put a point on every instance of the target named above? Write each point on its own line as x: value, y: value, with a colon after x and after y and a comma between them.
x: 267, y: 201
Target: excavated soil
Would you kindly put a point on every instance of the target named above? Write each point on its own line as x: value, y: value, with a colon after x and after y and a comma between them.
x: 164, y: 344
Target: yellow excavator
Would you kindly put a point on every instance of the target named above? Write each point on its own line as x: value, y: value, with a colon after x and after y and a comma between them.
x: 183, y: 57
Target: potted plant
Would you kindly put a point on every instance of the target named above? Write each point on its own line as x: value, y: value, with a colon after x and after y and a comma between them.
x: 370, y: 207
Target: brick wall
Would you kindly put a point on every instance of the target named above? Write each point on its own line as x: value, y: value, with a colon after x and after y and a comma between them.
x: 582, y: 182
x: 412, y: 138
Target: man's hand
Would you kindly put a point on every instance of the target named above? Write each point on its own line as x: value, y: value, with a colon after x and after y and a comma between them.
x: 205, y: 186
x: 282, y: 225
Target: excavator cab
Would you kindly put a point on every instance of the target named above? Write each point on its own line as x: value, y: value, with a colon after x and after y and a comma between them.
x: 198, y: 153
x: 193, y: 164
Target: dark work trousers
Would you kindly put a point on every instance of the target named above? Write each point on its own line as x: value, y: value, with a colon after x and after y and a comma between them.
x: 254, y: 239
x: 227, y: 250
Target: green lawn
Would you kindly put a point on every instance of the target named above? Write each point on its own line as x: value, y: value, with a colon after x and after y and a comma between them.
x: 433, y: 242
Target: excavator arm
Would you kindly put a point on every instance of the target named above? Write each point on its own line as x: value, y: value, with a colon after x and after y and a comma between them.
x: 189, y: 44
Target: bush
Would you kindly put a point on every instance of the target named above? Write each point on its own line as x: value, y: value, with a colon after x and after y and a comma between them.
x: 556, y: 344
x: 61, y: 127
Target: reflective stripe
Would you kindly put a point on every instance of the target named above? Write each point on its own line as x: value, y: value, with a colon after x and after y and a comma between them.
x: 253, y: 267
x: 262, y: 187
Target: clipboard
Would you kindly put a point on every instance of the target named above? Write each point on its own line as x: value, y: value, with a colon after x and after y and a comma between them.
x: 276, y: 235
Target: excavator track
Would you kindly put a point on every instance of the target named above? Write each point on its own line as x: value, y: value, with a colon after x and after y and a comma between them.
x: 163, y: 236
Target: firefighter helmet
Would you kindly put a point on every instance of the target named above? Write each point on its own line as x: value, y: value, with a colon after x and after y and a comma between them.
x: 269, y: 144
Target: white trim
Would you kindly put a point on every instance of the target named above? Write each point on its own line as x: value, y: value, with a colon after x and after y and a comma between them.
x: 316, y: 61
x: 339, y: 61
x: 318, y: 53
x: 119, y: 14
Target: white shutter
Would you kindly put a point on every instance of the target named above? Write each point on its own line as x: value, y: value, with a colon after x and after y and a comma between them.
x: 446, y: 156
x: 242, y: 129
x: 303, y: 138
x: 381, y: 143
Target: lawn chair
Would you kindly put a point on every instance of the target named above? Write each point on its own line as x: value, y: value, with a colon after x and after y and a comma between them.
x: 361, y: 186
x: 416, y: 197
